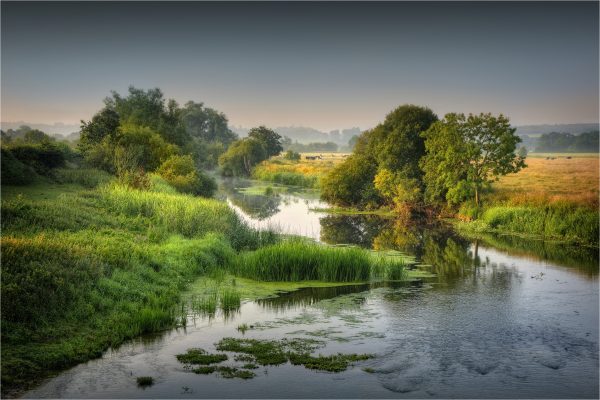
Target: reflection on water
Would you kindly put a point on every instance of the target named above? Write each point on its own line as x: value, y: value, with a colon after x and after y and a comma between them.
x: 502, y: 318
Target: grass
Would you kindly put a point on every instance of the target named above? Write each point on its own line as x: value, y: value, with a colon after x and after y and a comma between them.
x: 88, y: 264
x: 300, y: 260
x: 85, y: 269
x: 551, y: 181
x: 305, y: 173
x: 550, y: 199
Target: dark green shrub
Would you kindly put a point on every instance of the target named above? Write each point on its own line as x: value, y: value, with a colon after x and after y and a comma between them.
x: 14, y: 172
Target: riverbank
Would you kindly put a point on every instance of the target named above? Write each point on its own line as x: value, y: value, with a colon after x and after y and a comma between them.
x: 85, y: 268
x: 554, y: 198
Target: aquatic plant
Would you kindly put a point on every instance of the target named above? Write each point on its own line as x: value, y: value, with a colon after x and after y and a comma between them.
x: 144, y: 381
x: 230, y: 299
x: 200, y: 356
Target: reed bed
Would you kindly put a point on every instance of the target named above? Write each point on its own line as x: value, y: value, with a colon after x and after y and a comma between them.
x: 300, y: 260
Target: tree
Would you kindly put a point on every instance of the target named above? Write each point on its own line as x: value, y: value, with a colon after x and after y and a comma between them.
x: 242, y: 156
x: 103, y: 124
x: 393, y: 147
x: 350, y: 183
x: 465, y: 154
x: 269, y: 138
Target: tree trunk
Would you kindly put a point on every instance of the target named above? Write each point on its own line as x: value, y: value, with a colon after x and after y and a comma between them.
x: 477, y: 196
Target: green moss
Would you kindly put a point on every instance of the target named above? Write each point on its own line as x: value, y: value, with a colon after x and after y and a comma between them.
x: 200, y: 356
x: 249, y: 366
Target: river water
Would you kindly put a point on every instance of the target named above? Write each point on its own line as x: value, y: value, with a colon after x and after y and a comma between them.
x: 503, y: 317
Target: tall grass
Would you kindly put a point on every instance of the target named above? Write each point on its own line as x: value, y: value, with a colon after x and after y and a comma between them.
x: 86, y: 270
x: 299, y: 260
x: 87, y: 177
x: 560, y: 221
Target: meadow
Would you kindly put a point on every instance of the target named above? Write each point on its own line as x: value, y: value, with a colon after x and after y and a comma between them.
x: 304, y: 173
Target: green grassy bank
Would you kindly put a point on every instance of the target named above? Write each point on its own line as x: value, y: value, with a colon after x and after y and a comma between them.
x: 88, y: 263
x: 558, y: 221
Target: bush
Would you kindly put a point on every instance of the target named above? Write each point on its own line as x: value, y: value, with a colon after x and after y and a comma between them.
x: 42, y: 157
x: 13, y: 171
x: 292, y: 155
x: 180, y: 172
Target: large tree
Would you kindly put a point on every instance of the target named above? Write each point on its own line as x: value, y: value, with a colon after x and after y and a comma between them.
x: 270, y: 139
x: 386, y: 159
x: 242, y: 156
x: 465, y: 154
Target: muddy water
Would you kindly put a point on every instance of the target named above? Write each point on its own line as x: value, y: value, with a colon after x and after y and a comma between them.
x: 503, y: 318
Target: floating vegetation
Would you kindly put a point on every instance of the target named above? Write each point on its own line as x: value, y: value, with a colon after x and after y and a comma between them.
x: 333, y: 363
x: 244, y: 358
x: 266, y: 352
x: 297, y: 351
x: 144, y: 381
x: 232, y: 372
x: 205, y: 370
x: 200, y: 356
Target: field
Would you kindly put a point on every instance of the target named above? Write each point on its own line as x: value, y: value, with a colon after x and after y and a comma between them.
x: 573, y: 180
x: 305, y: 172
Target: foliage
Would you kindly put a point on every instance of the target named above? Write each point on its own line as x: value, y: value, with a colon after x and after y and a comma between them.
x: 467, y: 154
x: 395, y: 146
x: 13, y: 171
x: 292, y: 155
x: 182, y: 174
x: 242, y: 156
x: 586, y: 142
x: 42, y: 157
x: 269, y: 138
x: 350, y: 183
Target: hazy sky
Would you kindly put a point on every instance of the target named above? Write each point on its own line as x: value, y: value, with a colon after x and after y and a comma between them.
x: 325, y: 65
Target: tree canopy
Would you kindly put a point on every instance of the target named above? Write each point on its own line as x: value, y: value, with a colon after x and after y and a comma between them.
x: 388, y: 155
x: 466, y: 154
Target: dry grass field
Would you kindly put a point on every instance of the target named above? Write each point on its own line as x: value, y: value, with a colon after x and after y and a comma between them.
x: 548, y: 180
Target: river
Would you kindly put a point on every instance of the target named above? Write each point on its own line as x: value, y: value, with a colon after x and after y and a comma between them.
x: 503, y: 317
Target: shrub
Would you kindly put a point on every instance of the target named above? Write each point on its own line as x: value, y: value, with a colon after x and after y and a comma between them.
x: 14, y: 172
x: 180, y: 172
x: 292, y: 155
x: 42, y: 156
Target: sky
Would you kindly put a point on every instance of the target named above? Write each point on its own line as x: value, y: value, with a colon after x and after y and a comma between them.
x: 325, y: 65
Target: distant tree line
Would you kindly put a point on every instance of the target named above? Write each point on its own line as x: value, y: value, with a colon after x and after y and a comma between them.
x: 586, y: 142
x: 413, y: 160
x: 308, y: 148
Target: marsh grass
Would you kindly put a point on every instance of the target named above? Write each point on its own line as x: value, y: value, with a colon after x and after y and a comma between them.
x: 301, y: 260
x: 230, y: 299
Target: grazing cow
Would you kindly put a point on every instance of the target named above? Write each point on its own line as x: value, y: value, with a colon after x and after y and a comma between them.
x: 568, y: 158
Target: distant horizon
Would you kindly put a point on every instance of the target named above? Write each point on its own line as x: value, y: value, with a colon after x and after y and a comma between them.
x: 16, y: 124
